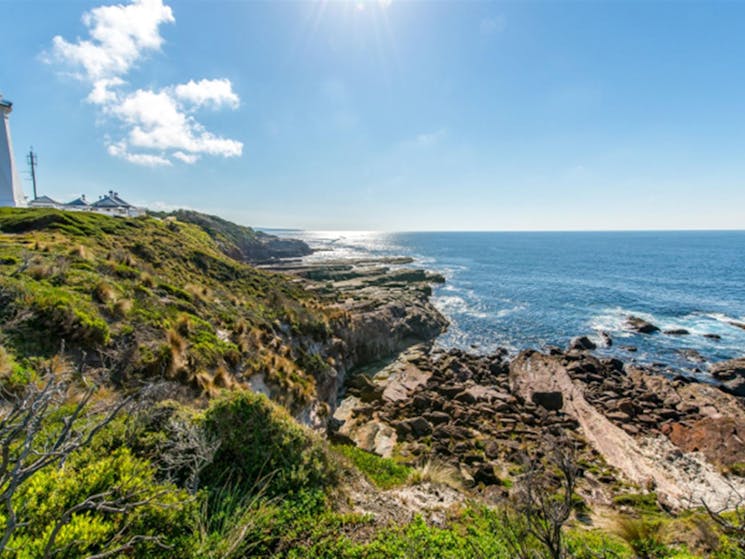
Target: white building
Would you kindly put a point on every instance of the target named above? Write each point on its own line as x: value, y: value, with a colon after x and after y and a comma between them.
x: 11, y: 193
x: 112, y: 204
x: 109, y: 204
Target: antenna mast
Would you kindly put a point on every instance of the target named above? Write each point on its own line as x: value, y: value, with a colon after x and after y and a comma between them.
x: 33, y: 161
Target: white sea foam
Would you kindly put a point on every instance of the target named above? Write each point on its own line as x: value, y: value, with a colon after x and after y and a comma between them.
x: 502, y: 313
x: 457, y: 305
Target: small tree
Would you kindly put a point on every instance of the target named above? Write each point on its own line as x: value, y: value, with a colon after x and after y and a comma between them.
x: 40, y: 429
x: 730, y: 516
x: 542, y: 502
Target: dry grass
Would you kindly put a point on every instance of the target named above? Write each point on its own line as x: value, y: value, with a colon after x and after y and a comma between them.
x: 203, y: 382
x: 184, y: 325
x: 57, y: 364
x: 438, y: 473
x: 642, y: 535
x: 81, y: 252
x: 177, y: 346
x: 122, y: 308
x: 200, y: 292
x: 104, y: 293
x: 6, y: 362
x: 147, y: 280
x: 223, y: 378
x: 40, y: 271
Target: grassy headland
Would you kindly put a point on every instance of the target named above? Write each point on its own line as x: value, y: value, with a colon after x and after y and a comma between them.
x: 163, y: 318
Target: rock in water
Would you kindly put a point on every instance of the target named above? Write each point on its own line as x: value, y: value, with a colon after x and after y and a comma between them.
x: 582, y: 343
x: 691, y: 355
x: 728, y: 370
x: 640, y: 325
x: 677, y: 332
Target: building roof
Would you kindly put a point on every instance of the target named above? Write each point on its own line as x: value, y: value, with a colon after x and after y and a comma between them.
x: 43, y: 200
x: 79, y: 202
x: 115, y: 196
x: 111, y: 200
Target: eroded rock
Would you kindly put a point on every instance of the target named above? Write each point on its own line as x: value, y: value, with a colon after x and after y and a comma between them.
x: 637, y: 324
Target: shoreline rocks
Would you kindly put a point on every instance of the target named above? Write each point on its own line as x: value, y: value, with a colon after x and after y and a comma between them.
x: 639, y: 325
x: 481, y: 413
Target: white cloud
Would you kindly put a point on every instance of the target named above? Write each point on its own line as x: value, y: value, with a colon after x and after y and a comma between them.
x: 120, y: 35
x: 151, y: 120
x: 101, y: 92
x: 119, y: 149
x: 215, y: 93
x: 186, y: 157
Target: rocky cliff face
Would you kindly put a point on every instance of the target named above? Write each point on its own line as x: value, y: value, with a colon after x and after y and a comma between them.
x: 383, y: 312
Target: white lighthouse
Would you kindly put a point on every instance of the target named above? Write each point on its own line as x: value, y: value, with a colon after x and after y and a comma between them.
x: 11, y: 193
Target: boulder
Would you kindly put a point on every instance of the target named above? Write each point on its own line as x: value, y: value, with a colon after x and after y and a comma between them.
x: 640, y: 325
x: 607, y: 340
x: 736, y: 386
x: 677, y: 332
x: 618, y: 416
x: 478, y: 392
x: 437, y: 417
x: 485, y: 474
x: 720, y: 439
x: 691, y: 355
x: 365, y: 389
x: 713, y: 336
x: 582, y: 343
x: 419, y: 426
x: 728, y: 370
x: 548, y: 400
x: 626, y: 406
x: 612, y: 363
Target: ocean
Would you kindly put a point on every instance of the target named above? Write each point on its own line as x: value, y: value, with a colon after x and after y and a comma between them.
x: 529, y: 290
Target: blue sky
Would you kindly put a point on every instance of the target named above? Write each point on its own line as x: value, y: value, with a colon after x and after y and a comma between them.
x: 389, y: 115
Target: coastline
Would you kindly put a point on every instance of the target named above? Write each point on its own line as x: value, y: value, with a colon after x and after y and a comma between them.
x: 476, y: 413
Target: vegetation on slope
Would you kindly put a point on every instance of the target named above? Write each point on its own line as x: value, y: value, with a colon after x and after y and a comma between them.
x: 103, y: 319
x: 153, y: 299
x: 240, y: 242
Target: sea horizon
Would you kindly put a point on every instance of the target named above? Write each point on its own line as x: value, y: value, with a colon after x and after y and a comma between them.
x: 276, y: 230
x: 534, y: 289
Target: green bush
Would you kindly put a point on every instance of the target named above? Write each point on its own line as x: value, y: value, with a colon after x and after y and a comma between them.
x: 263, y: 447
x: 161, y: 515
x: 51, y: 314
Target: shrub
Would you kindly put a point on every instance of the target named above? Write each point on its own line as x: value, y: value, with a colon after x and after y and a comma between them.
x: 262, y: 446
x: 643, y: 537
x: 124, y: 501
x: 47, y: 315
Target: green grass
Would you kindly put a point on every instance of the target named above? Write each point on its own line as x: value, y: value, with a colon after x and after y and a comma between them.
x: 642, y: 503
x: 383, y: 472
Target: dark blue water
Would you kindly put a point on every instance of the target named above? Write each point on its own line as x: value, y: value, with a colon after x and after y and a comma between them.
x: 520, y: 290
